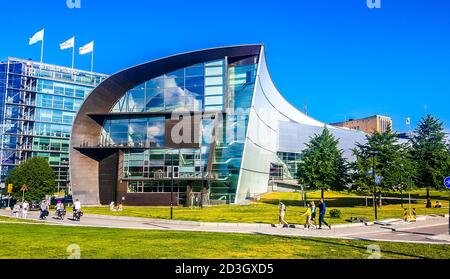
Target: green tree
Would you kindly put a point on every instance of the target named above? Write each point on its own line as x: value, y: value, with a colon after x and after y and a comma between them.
x: 37, y: 175
x: 383, y: 154
x: 430, y: 153
x: 322, y: 165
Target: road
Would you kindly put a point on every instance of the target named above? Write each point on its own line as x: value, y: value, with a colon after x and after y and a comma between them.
x: 433, y: 229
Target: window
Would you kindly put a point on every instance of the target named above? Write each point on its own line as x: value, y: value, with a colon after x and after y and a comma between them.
x: 213, y: 90
x: 58, y: 102
x: 68, y: 117
x: 213, y: 100
x: 57, y: 116
x: 214, y: 71
x: 195, y: 71
x: 68, y: 104
x: 213, y: 80
x: 47, y: 101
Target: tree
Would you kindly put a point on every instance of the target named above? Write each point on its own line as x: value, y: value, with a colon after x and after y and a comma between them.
x: 37, y: 175
x: 384, y: 155
x: 322, y: 165
x: 430, y: 154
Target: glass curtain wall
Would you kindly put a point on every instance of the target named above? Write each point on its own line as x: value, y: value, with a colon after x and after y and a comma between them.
x: 41, y: 102
x: 196, y: 88
x: 209, y: 86
x: 229, y: 149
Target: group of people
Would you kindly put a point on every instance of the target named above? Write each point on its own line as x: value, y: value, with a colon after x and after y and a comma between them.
x: 438, y: 204
x: 23, y: 208
x: 113, y: 207
x: 310, y: 215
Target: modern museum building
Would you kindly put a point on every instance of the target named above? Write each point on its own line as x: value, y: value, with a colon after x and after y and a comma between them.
x: 208, y: 124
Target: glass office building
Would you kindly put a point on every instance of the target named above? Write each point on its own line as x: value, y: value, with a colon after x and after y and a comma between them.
x: 38, y: 104
x: 209, y: 122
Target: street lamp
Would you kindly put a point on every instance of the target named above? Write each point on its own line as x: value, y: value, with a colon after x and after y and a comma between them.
x: 374, y: 187
x: 171, y: 187
x: 2, y: 186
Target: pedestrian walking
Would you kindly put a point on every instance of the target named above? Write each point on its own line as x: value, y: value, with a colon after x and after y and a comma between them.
x: 282, y: 213
x: 16, y: 209
x: 322, y: 211
x: 25, y: 208
x: 313, y: 213
x: 308, y: 217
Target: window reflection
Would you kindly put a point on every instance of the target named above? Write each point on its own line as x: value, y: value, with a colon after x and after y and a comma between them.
x: 138, y: 132
x: 180, y: 90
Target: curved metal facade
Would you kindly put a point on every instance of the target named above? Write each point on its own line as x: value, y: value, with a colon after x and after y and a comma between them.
x: 94, y: 167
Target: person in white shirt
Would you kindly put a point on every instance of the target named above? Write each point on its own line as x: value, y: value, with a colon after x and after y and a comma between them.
x: 25, y: 208
x: 16, y: 210
x: 77, y: 205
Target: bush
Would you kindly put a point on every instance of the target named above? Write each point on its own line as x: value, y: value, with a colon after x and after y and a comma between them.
x: 335, y: 213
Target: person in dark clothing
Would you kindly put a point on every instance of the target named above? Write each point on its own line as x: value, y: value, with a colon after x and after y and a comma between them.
x: 322, y: 211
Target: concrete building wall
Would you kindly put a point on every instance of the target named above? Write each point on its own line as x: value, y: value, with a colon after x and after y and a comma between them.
x: 376, y: 123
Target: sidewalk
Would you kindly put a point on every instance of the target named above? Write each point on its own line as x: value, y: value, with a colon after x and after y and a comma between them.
x: 370, y: 231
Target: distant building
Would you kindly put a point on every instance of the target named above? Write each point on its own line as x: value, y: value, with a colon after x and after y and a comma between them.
x: 406, y: 136
x: 38, y: 103
x: 376, y: 123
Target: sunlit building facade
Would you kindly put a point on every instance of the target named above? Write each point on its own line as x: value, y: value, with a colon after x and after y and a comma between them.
x: 38, y: 103
x: 208, y: 122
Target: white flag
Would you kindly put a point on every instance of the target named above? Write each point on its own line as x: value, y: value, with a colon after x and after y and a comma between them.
x: 87, y: 48
x: 39, y: 36
x: 70, y: 43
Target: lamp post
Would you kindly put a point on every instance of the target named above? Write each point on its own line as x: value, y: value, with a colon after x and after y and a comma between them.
x: 374, y: 188
x: 447, y: 184
x: 171, y: 187
x: 2, y: 186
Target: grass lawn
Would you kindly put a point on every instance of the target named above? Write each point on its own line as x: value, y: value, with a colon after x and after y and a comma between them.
x: 266, y: 210
x: 8, y: 219
x: 51, y: 242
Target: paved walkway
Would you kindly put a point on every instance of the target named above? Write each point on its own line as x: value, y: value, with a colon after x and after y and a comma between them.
x: 429, y: 229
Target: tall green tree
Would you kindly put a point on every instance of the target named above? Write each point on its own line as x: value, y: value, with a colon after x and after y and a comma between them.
x: 430, y: 153
x: 322, y: 165
x: 37, y: 175
x: 383, y: 154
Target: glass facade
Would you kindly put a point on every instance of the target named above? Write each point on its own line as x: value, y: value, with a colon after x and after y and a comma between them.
x: 133, y: 132
x: 196, y: 88
x: 229, y: 148
x: 289, y: 164
x: 149, y: 165
x: 38, y: 104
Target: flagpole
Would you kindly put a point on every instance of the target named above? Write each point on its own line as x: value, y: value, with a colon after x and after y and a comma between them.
x: 92, y: 60
x: 73, y: 53
x: 42, y: 51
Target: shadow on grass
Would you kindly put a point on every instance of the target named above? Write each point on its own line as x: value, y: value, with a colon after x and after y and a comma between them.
x: 340, y: 242
x: 336, y: 202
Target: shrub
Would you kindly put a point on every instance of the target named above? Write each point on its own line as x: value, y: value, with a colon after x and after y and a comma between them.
x: 335, y: 213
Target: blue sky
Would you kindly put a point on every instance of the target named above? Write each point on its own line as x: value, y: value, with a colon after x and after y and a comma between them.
x: 341, y: 58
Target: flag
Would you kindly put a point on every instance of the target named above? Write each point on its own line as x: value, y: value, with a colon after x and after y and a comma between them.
x: 408, y: 121
x: 39, y: 36
x: 70, y: 43
x: 87, y: 48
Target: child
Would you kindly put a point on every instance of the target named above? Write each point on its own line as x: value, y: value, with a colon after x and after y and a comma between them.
x: 308, y: 214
